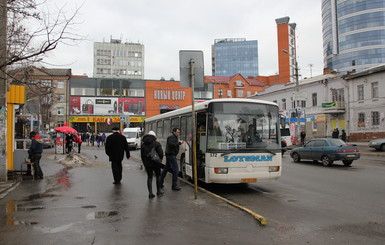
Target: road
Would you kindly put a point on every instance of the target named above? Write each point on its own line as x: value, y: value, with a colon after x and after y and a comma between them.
x: 314, y: 204
x: 309, y: 204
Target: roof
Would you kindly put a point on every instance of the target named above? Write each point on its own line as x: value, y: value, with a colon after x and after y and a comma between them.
x: 253, y: 81
x: 373, y: 70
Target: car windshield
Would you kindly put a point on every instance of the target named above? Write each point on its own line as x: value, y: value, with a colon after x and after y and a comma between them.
x: 130, y: 134
x: 336, y: 142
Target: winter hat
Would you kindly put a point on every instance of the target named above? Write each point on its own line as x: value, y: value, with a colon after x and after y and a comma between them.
x: 152, y: 133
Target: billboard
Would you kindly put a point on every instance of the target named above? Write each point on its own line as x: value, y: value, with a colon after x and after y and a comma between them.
x: 106, y: 106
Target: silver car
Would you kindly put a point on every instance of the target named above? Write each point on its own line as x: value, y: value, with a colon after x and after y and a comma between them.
x: 378, y: 144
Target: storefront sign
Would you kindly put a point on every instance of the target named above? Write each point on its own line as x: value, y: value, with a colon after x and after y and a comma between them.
x: 103, y: 119
x: 169, y: 95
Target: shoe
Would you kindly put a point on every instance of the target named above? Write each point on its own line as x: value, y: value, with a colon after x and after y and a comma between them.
x: 176, y: 188
x: 161, y: 186
x: 116, y: 183
x: 160, y: 193
x: 151, y: 196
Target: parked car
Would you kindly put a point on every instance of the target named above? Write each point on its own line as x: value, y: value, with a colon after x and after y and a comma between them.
x: 378, y: 144
x: 48, y: 141
x: 326, y: 150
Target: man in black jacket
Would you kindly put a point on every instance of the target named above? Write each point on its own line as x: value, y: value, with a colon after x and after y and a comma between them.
x: 172, y: 149
x: 116, y: 145
x: 35, y: 153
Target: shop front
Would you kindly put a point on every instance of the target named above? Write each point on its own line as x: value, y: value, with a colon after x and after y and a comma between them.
x: 103, y: 124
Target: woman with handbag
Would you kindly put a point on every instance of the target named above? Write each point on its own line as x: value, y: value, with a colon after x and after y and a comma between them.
x: 152, y: 155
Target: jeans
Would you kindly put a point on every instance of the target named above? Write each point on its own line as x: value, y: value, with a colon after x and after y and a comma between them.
x: 172, y: 164
x: 36, y: 165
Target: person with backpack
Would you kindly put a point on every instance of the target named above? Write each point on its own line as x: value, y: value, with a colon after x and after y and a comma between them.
x: 151, y: 165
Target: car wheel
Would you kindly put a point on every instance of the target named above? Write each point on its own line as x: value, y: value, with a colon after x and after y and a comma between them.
x: 382, y: 147
x: 347, y: 163
x: 326, y: 161
x: 296, y: 157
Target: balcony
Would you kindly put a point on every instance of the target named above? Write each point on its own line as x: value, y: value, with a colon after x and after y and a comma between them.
x: 335, y: 107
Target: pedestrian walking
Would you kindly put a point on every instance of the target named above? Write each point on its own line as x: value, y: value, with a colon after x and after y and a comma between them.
x: 152, y: 166
x: 69, y: 142
x: 172, y: 149
x: 103, y: 138
x: 343, y: 135
x: 98, y: 139
x: 78, y: 141
x: 303, y: 136
x: 116, y: 146
x: 92, y: 139
x: 35, y: 152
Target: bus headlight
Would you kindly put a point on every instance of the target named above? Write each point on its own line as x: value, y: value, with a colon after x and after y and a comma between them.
x: 273, y: 169
x: 220, y: 170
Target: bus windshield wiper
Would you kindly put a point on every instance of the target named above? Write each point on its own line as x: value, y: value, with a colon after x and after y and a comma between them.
x: 249, y: 150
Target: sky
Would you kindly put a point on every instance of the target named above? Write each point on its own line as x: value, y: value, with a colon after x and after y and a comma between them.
x: 165, y: 27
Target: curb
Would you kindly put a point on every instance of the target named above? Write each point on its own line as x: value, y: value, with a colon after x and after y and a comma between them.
x: 6, y: 187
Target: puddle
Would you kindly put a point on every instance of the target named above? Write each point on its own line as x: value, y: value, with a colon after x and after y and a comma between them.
x: 29, y: 208
x: 39, y: 196
x: 101, y: 214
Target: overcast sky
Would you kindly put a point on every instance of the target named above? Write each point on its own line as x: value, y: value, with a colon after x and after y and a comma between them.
x: 165, y: 27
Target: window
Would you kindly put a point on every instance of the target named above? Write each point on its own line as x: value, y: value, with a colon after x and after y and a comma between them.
x: 60, y: 110
x: 240, y: 93
x: 361, y: 119
x: 60, y: 123
x: 314, y: 99
x: 375, y: 90
x: 60, y: 98
x: 46, y: 83
x: 60, y: 84
x: 360, y: 92
x: 283, y: 104
x: 248, y: 93
x: 229, y: 95
x: 375, y: 118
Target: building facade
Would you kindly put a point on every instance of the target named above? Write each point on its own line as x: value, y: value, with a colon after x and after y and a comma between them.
x: 287, y: 51
x: 235, y: 55
x: 46, y: 97
x: 115, y: 59
x: 353, y: 102
x: 353, y: 34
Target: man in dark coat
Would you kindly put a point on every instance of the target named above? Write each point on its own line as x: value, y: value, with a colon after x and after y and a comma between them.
x: 149, y: 143
x: 116, y: 145
x: 172, y: 149
x: 35, y: 153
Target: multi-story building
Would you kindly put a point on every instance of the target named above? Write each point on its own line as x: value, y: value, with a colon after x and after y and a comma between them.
x: 47, y: 96
x: 287, y: 51
x: 235, y: 55
x: 353, y: 34
x: 115, y: 59
x: 352, y: 102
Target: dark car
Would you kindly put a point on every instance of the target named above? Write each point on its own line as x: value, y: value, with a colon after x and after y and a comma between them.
x: 326, y: 150
x: 48, y: 141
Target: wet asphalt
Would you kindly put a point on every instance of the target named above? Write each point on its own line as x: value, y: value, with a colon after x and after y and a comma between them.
x: 78, y: 204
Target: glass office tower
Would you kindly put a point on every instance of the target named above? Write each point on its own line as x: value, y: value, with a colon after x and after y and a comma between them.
x: 353, y: 34
x: 235, y: 55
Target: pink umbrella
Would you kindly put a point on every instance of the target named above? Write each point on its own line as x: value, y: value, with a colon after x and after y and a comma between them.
x: 66, y: 129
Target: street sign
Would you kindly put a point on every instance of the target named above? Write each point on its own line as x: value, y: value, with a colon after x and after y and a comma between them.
x: 122, y: 118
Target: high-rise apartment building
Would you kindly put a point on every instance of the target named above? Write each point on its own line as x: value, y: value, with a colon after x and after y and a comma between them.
x: 231, y: 56
x: 115, y: 59
x: 287, y: 51
x: 353, y: 34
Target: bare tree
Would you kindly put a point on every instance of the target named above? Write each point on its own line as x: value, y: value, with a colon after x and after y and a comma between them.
x: 31, y: 34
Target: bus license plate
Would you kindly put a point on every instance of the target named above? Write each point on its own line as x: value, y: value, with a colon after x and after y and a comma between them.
x: 248, y: 180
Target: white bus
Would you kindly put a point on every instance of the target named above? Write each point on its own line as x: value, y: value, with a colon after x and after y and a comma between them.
x: 225, y: 152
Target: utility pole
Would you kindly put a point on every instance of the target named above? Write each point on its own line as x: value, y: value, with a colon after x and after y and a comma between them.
x: 3, y: 88
x: 297, y: 97
x: 194, y: 136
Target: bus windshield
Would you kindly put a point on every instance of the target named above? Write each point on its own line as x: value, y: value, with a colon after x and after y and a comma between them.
x: 243, y: 126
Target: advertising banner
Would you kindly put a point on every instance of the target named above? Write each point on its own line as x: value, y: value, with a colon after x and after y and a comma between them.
x: 59, y: 146
x: 103, y: 106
